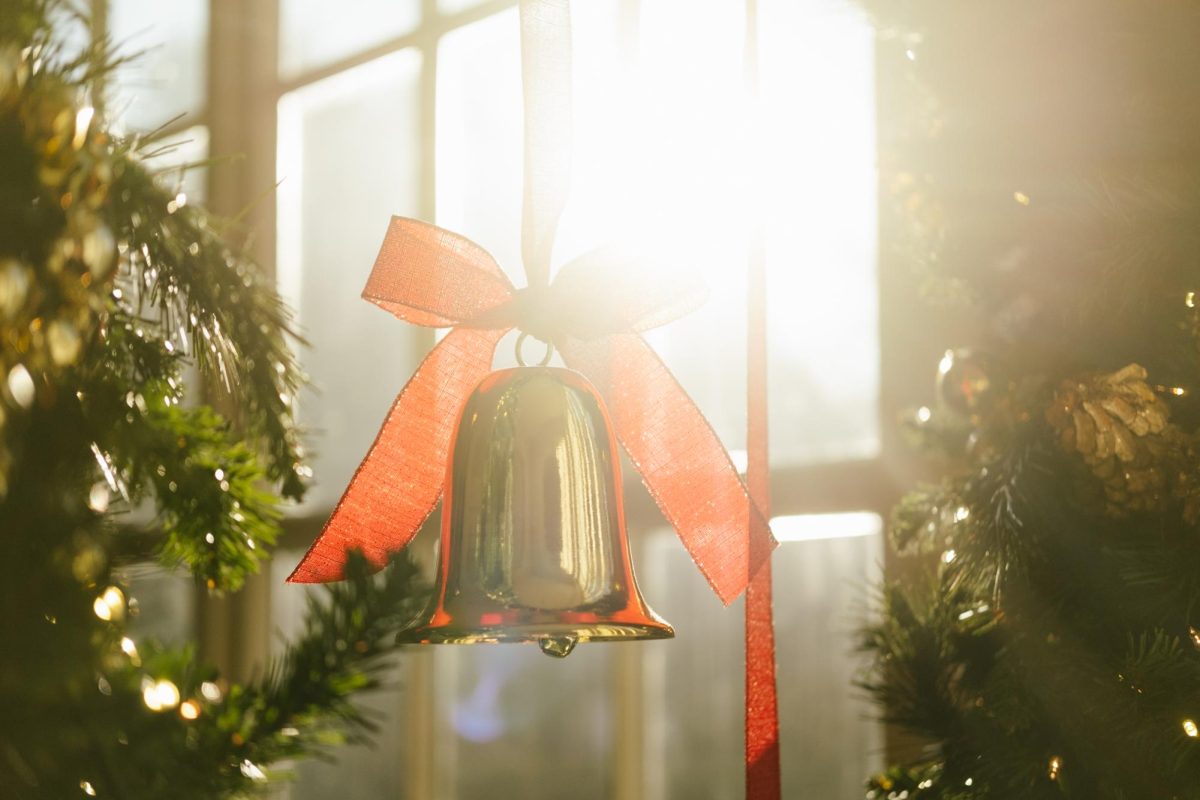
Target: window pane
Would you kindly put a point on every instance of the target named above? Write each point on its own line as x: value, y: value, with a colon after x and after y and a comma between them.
x: 170, y: 598
x: 693, y: 690
x: 314, y: 33
x: 709, y: 179
x: 479, y: 141
x: 179, y: 151
x: 517, y: 723
x: 820, y: 198
x: 348, y: 160
x: 168, y: 78
x: 362, y: 772
x: 452, y: 6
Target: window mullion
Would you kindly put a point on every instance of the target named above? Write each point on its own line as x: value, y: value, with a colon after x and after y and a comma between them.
x: 235, y: 631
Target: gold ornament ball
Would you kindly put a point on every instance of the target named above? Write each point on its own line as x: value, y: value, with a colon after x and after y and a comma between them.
x: 966, y: 381
x: 14, y: 287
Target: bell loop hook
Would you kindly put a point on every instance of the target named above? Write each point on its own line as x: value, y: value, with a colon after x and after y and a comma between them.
x: 545, y: 359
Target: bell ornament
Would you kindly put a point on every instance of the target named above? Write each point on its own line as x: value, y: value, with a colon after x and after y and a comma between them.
x: 533, y: 544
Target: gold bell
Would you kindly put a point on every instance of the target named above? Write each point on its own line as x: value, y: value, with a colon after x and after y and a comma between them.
x: 533, y: 546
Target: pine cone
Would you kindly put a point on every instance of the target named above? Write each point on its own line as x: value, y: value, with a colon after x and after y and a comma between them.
x: 1121, y: 429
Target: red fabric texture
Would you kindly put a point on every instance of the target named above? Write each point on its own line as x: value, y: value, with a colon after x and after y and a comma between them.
x: 763, y: 777
x: 430, y: 276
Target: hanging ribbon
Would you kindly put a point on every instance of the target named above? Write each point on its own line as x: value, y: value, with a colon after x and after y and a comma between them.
x: 763, y: 778
x: 593, y: 313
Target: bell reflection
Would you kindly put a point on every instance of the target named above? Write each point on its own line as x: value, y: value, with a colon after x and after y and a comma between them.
x: 533, y: 544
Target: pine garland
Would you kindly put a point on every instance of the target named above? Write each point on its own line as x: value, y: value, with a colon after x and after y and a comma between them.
x: 1050, y: 645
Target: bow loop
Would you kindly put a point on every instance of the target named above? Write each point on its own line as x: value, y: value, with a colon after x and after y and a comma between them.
x: 430, y: 276
x: 622, y: 289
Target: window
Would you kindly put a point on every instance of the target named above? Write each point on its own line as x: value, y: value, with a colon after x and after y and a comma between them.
x: 413, y: 107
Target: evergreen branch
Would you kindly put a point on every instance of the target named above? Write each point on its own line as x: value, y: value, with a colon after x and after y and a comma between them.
x: 234, y: 325
x: 180, y: 736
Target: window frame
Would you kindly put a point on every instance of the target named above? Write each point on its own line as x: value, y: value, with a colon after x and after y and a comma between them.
x: 243, y: 91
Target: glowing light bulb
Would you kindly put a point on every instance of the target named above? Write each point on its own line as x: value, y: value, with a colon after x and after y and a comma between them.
x: 160, y: 695
x: 189, y: 709
x: 1189, y: 727
x: 253, y: 771
x: 110, y: 605
x: 83, y: 121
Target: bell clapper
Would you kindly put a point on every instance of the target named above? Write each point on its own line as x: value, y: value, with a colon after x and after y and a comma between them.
x: 558, y: 646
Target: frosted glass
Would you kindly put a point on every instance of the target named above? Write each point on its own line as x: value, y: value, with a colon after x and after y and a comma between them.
x: 314, y: 33
x: 168, y: 78
x: 348, y: 160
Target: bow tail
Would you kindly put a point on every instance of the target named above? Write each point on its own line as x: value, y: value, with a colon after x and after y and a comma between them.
x: 680, y: 458
x: 399, y: 482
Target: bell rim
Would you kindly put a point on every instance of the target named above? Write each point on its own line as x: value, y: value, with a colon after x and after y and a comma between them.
x: 535, y: 633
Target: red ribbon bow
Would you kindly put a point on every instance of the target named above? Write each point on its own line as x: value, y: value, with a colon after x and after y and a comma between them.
x: 430, y: 276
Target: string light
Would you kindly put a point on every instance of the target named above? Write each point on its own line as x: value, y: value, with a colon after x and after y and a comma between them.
x: 1189, y: 727
x: 253, y: 771
x: 1021, y: 198
x: 83, y: 121
x: 87, y: 788
x: 189, y: 709
x: 1055, y: 767
x: 98, y: 497
x: 20, y: 386
x: 110, y: 605
x: 1190, y: 299
x: 160, y: 695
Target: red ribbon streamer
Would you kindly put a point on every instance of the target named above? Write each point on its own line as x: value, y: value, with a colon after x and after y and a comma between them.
x: 430, y: 276
x: 763, y: 776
